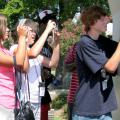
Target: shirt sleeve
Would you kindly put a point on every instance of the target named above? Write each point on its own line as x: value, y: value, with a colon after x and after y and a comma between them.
x: 13, y: 47
x: 40, y: 58
x: 90, y: 54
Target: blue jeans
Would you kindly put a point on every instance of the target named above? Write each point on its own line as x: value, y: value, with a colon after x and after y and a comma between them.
x: 107, y: 116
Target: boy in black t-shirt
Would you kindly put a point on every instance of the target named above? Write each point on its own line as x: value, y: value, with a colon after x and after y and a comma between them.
x: 96, y: 63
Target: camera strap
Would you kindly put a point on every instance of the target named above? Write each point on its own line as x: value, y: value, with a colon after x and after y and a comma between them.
x: 27, y: 78
x: 17, y: 83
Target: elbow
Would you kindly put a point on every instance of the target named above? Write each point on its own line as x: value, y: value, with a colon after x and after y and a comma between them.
x: 111, y: 68
x: 54, y: 65
x: 20, y: 64
x: 24, y: 70
x: 23, y: 67
x: 32, y: 54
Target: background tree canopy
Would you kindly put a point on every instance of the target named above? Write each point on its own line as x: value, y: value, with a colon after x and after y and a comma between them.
x: 16, y: 9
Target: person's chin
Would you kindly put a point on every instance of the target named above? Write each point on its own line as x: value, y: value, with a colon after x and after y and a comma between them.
x: 32, y: 41
x: 6, y: 37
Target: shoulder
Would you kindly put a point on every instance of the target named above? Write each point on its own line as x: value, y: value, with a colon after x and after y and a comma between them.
x: 85, y: 41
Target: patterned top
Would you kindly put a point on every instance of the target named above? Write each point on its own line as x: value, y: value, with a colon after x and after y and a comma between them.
x: 74, y: 84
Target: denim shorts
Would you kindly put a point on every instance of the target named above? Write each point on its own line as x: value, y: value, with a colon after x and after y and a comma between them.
x: 107, y: 116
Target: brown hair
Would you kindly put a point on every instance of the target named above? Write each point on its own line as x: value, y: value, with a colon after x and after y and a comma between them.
x: 33, y: 25
x: 90, y: 15
x: 3, y: 25
x: 28, y: 22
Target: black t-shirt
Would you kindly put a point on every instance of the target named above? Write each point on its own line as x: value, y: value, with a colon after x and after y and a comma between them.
x: 108, y: 45
x: 47, y: 51
x: 96, y: 93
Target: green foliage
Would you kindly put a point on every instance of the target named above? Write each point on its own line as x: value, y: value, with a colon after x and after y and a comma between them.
x: 102, y: 3
x: 13, y: 7
x: 65, y: 109
x: 16, y: 9
x: 7, y: 44
x: 2, y: 4
x: 69, y: 9
x: 56, y: 118
x: 65, y: 45
x: 69, y: 27
x: 59, y: 101
x: 65, y: 112
x: 73, y: 33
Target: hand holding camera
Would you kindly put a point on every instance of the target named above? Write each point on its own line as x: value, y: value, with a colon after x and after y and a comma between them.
x: 51, y: 25
x: 53, y: 38
x: 22, y: 29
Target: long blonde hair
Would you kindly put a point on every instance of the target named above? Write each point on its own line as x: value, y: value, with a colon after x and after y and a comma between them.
x: 3, y: 25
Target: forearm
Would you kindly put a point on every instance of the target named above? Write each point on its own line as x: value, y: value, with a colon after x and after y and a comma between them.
x: 21, y: 51
x: 114, y: 61
x: 26, y: 63
x: 55, y: 56
x: 37, y: 47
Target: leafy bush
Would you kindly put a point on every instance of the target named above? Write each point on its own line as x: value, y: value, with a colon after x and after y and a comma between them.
x: 65, y: 112
x: 65, y: 44
x: 60, y: 101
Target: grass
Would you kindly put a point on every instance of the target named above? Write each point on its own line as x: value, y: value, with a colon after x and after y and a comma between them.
x: 59, y: 104
x: 57, y: 118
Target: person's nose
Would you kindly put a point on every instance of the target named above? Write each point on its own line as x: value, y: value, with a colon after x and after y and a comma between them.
x: 107, y: 19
